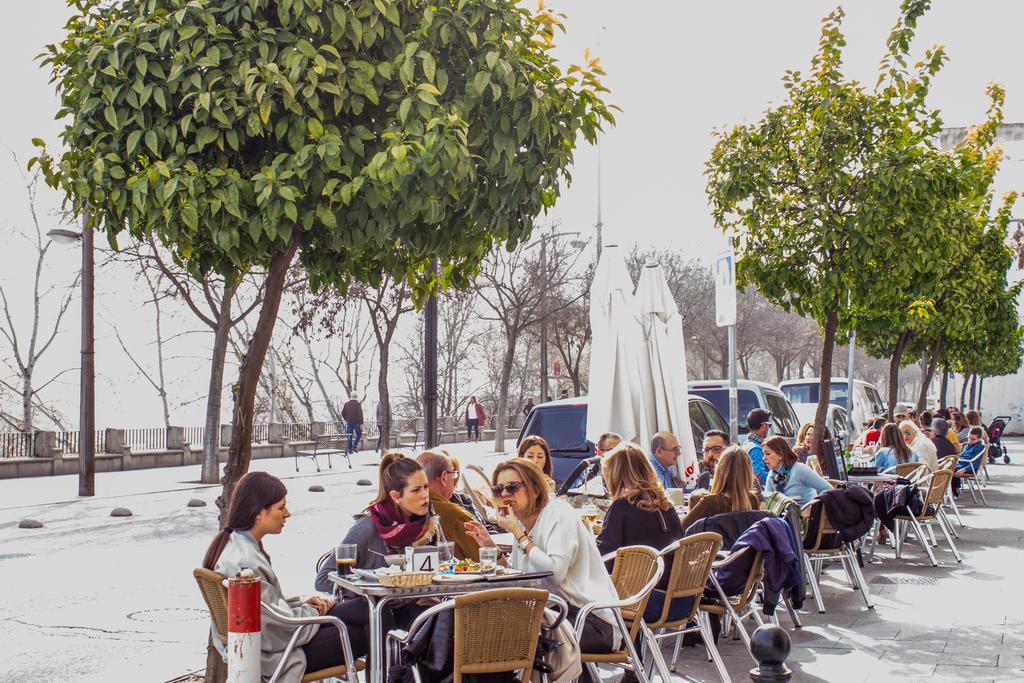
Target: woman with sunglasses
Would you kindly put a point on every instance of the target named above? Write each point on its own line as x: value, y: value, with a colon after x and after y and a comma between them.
x: 550, y: 537
x: 536, y: 450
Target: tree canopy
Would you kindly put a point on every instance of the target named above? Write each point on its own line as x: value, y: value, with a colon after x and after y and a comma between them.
x: 376, y: 133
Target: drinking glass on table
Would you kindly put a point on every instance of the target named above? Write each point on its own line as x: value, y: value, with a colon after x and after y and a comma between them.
x: 445, y: 551
x: 488, y: 560
x: 345, y: 558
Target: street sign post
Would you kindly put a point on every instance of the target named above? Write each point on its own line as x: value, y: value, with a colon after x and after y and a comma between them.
x: 725, y: 316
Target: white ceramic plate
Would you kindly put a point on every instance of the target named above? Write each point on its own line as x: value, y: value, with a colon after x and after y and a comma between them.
x: 457, y: 578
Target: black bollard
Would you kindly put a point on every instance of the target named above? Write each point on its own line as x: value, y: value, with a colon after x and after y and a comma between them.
x: 770, y: 646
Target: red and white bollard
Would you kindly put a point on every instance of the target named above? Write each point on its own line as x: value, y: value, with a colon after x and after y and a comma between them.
x: 244, y: 628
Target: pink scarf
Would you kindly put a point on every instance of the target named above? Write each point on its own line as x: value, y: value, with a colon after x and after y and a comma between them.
x: 395, y: 530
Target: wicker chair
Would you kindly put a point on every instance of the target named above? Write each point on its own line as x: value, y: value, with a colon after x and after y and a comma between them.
x: 949, y: 463
x: 691, y: 565
x: 938, y: 484
x: 215, y: 594
x: 821, y: 551
x: 909, y: 470
x: 735, y: 608
x: 635, y: 573
x: 495, y: 630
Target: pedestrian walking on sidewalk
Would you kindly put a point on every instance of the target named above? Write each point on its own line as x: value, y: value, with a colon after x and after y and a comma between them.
x: 352, y: 413
x: 474, y: 417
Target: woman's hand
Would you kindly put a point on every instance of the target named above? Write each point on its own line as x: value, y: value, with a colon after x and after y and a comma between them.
x: 509, y: 522
x: 322, y: 605
x: 478, y: 533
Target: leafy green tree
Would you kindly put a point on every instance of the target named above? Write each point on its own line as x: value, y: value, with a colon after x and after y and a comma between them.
x: 829, y: 187
x: 366, y: 136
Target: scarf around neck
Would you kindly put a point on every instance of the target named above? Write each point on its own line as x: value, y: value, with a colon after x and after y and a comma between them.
x: 780, y: 478
x: 398, y: 532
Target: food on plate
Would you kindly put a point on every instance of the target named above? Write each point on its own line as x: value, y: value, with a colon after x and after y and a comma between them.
x: 461, y: 567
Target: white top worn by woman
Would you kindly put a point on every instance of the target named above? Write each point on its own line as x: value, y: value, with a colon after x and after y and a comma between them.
x: 567, y: 549
x: 243, y: 552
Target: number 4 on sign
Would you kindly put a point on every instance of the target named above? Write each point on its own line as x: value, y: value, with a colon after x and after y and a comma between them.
x: 423, y: 559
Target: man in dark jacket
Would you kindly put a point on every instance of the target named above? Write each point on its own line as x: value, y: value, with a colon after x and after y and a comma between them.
x: 352, y: 414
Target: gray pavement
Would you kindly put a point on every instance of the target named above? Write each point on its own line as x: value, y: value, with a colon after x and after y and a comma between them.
x: 95, y: 598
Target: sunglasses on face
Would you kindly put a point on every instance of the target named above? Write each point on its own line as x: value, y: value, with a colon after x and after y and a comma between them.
x: 511, y: 487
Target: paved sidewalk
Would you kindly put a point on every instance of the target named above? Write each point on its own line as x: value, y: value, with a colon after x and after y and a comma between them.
x: 954, y: 622
x: 95, y: 598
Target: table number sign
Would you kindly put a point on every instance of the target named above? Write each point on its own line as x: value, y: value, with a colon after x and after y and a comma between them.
x: 422, y: 558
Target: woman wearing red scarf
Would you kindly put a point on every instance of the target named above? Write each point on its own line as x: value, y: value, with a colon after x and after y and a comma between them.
x: 399, y: 516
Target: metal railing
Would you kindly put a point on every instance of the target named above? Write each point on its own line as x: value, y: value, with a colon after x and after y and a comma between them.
x: 145, y: 439
x: 194, y: 436
x: 16, y: 445
x: 67, y: 442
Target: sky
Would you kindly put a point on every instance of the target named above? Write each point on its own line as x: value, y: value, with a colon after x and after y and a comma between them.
x: 678, y: 70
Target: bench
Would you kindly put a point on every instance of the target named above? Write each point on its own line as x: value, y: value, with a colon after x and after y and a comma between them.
x: 418, y: 440
x: 328, y: 445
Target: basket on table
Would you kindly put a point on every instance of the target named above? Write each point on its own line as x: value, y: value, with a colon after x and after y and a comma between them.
x: 406, y: 579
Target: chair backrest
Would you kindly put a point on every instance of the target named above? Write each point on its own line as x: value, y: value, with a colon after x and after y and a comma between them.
x: 825, y: 532
x: 497, y: 630
x: 211, y: 585
x: 905, y: 469
x: 754, y: 579
x: 937, y: 488
x: 691, y: 565
x: 634, y: 567
x: 948, y: 462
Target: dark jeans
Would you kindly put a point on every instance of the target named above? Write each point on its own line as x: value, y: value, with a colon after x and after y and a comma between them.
x: 471, y: 427
x: 355, y: 437
x: 324, y: 650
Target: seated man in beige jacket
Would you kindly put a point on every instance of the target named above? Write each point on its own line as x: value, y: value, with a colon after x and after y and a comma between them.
x: 442, y: 478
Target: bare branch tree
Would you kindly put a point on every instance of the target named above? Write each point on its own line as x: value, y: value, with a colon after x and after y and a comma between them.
x: 26, y: 351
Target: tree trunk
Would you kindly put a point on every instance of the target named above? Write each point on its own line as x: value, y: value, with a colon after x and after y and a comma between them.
x: 240, y: 449
x: 974, y: 387
x: 384, y: 397
x: 506, y: 379
x: 943, y: 386
x: 894, y: 369
x: 215, y: 397
x: 926, y: 381
x: 963, y: 391
x: 824, y: 384
x: 26, y: 403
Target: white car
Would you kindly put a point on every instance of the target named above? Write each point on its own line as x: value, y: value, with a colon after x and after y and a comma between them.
x: 867, y: 402
x: 836, y: 420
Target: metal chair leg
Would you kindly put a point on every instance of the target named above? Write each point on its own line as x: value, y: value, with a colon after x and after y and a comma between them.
x: 709, y: 641
x: 812, y: 578
x: 919, y: 535
x: 949, y: 538
x: 678, y: 647
x: 651, y: 643
x: 794, y: 617
x: 860, y: 577
x: 952, y: 504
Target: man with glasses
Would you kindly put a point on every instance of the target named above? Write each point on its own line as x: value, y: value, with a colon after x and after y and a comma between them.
x: 715, y: 442
x: 664, y: 451
x: 442, y: 478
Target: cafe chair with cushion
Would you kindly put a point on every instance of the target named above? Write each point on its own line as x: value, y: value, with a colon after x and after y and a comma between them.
x: 635, y: 572
x: 692, y: 558
x: 826, y: 545
x: 215, y: 594
x: 734, y: 609
x: 495, y: 631
x: 937, y: 485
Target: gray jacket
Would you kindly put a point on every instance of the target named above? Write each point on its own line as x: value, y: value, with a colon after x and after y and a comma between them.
x: 243, y: 552
x: 364, y: 535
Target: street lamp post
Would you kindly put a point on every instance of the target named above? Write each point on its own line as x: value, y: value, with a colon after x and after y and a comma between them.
x: 544, y: 307
x: 430, y: 368
x: 87, y: 400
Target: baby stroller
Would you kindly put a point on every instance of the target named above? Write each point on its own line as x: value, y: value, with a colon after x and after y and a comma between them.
x: 996, y: 447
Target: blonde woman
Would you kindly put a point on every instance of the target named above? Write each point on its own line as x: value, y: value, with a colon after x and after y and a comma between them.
x: 731, y: 489
x: 920, y: 444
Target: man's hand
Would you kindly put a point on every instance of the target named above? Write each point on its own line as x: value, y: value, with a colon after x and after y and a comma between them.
x: 322, y: 605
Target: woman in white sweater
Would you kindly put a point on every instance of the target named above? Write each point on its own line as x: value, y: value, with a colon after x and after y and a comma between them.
x: 258, y: 507
x: 550, y: 536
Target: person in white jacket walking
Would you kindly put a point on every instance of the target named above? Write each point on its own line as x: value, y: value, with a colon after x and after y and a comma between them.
x: 258, y: 508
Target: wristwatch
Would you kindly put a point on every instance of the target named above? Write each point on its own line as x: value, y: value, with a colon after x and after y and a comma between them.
x: 524, y: 542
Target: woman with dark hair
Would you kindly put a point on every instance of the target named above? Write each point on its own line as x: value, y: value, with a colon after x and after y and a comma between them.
x: 550, y: 537
x: 788, y: 475
x: 536, y: 450
x: 892, y: 449
x: 258, y: 508
x: 399, y: 516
